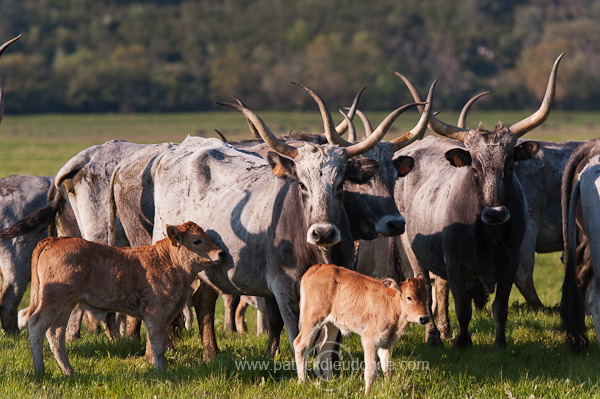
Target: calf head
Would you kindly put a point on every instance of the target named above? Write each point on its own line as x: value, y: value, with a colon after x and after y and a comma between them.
x: 491, y: 155
x: 413, y: 296
x: 193, y: 245
x: 319, y: 171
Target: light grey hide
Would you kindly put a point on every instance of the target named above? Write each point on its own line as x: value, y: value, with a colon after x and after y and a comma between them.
x: 19, y: 196
x: 247, y: 210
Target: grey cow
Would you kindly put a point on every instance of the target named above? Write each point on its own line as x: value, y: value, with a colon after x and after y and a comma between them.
x: 467, y: 210
x: 286, y: 210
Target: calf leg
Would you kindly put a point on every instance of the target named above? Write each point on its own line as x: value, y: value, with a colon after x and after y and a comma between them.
x: 302, y: 345
x: 157, y: 337
x: 11, y: 296
x: 56, y: 339
x: 204, y: 300
x: 38, y: 325
x: 261, y: 317
x: 384, y: 360
x: 370, y: 363
x: 327, y: 349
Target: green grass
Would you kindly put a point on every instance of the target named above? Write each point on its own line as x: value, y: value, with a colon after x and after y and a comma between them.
x: 536, y: 363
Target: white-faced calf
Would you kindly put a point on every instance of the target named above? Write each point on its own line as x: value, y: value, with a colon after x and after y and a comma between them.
x: 150, y: 283
x: 343, y: 300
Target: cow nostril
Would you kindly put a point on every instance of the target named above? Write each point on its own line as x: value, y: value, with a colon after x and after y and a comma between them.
x: 423, y: 319
x: 316, y: 236
x: 396, y: 227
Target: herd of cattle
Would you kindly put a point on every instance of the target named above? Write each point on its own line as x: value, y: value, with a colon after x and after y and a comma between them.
x: 478, y: 205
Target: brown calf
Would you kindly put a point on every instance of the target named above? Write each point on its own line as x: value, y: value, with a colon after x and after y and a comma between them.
x: 150, y: 283
x: 343, y: 300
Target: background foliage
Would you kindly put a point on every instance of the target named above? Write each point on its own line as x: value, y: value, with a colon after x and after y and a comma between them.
x: 179, y: 55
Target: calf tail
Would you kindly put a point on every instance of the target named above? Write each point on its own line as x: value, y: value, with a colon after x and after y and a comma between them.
x: 34, y: 298
x: 39, y: 220
x: 572, y: 309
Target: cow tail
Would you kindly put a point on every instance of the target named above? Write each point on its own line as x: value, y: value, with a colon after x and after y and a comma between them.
x: 394, y: 260
x: 572, y: 309
x: 112, y: 210
x: 39, y: 220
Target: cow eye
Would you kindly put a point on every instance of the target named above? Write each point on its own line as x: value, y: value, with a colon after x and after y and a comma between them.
x: 474, y: 172
x: 409, y: 299
x: 302, y: 186
x: 197, y: 242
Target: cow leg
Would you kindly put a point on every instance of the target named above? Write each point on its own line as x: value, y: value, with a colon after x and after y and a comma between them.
x: 500, y: 309
x: 56, y: 339
x: 240, y: 314
x: 274, y: 324
x: 407, y: 256
x: 593, y: 303
x: 74, y: 324
x: 204, y: 300
x: 462, y: 303
x: 9, y: 309
x: 133, y: 327
x: 524, y: 277
x: 441, y: 307
x: 230, y: 303
x: 261, y: 317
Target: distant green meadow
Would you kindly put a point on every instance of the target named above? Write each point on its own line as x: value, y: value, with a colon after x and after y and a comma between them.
x: 536, y: 363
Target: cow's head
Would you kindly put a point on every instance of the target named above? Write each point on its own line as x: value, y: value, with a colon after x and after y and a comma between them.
x: 319, y: 171
x: 490, y: 155
x: 194, y: 246
x: 371, y: 207
x: 412, y: 296
x: 2, y: 48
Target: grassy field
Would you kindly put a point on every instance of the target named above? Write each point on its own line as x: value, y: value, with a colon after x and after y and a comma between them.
x: 536, y: 363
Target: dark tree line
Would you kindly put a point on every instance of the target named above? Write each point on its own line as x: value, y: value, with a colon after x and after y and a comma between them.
x: 177, y: 55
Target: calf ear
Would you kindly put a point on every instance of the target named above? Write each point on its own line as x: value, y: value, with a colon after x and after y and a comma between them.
x: 282, y: 166
x: 390, y: 283
x: 360, y: 170
x: 526, y: 150
x: 404, y: 165
x: 174, y: 235
x: 458, y: 157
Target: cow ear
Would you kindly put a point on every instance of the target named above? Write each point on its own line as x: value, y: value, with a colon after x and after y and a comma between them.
x: 404, y: 164
x: 458, y: 157
x: 390, y: 283
x: 360, y: 170
x: 174, y: 235
x: 526, y: 150
x: 282, y: 166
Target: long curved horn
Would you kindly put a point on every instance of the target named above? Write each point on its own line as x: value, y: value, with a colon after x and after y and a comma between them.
x: 350, y: 126
x: 371, y: 141
x: 2, y: 48
x: 366, y: 122
x: 435, y: 124
x: 536, y: 119
x: 255, y: 133
x: 264, y: 131
x: 343, y: 126
x: 332, y: 136
x: 417, y: 132
x: 462, y: 119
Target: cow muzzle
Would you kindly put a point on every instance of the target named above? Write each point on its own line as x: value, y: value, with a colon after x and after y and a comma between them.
x: 323, y: 234
x: 495, y: 215
x: 390, y: 226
